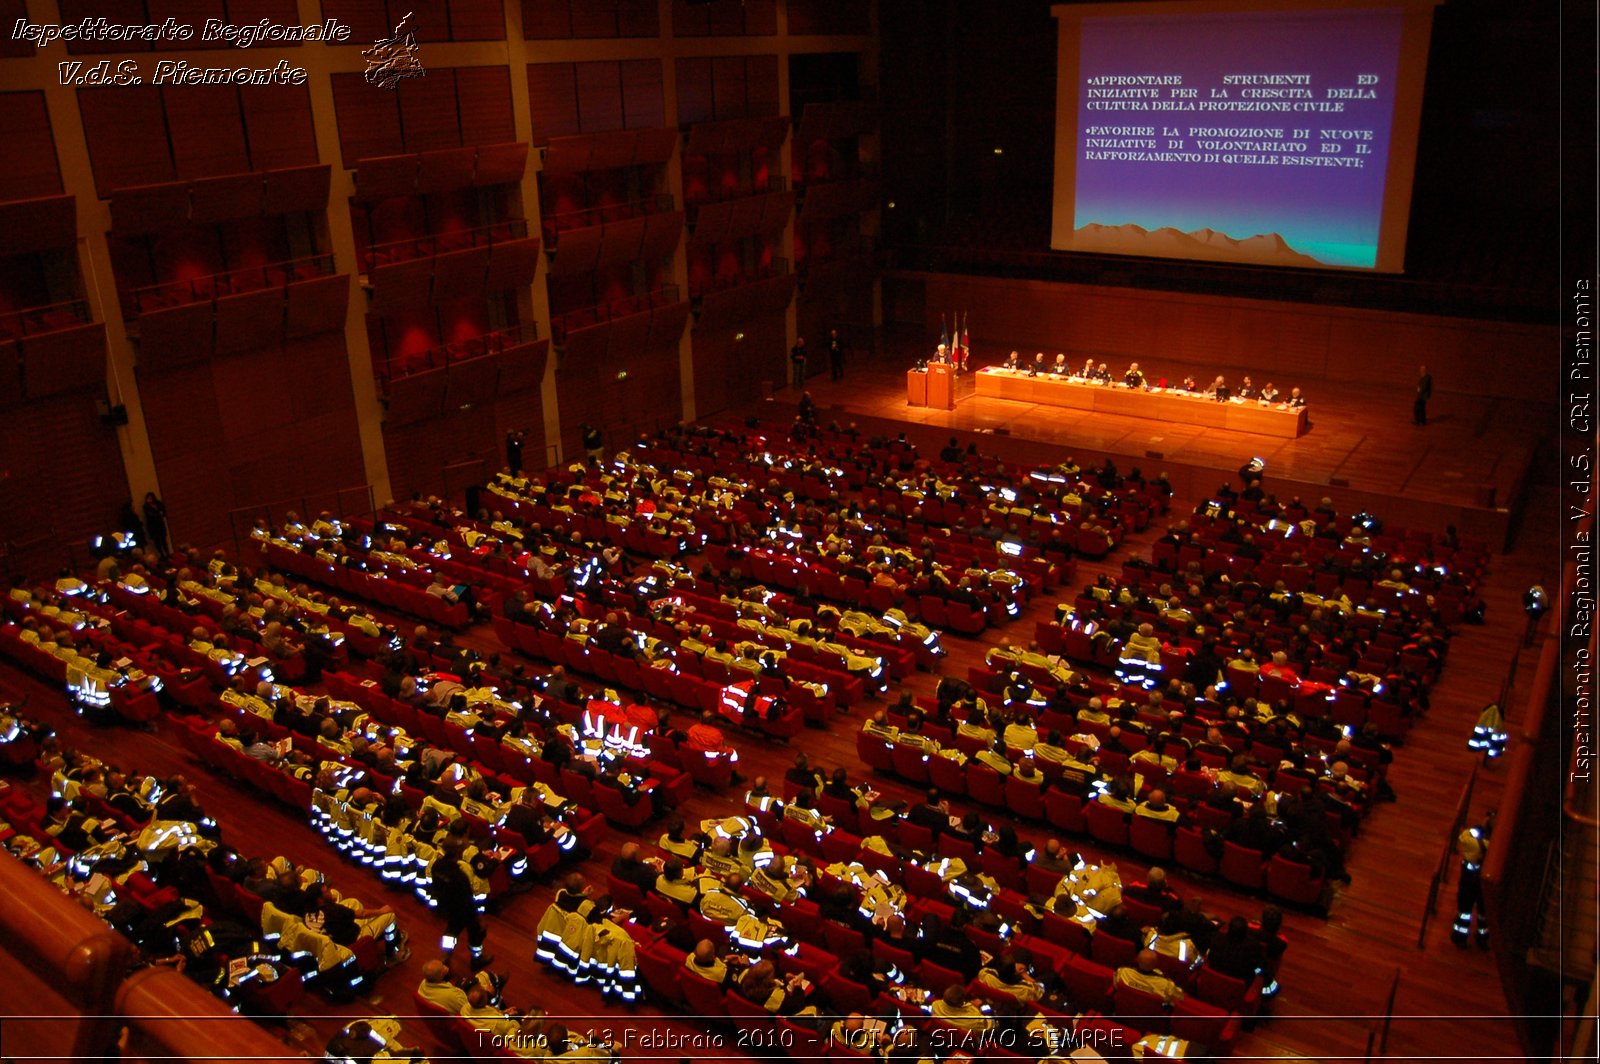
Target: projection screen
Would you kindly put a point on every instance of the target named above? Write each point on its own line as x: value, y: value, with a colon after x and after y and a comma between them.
x: 1271, y: 133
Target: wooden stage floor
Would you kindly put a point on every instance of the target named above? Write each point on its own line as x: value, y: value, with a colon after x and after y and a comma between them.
x: 1360, y: 446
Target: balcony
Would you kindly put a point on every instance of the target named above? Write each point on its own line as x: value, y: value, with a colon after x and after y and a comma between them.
x: 31, y: 321
x: 232, y: 282
x: 429, y: 245
x: 605, y: 214
x: 730, y: 281
x: 562, y: 324
x: 492, y: 343
x: 704, y: 196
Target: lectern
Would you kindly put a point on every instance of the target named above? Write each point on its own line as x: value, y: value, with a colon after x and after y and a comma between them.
x: 916, y: 387
x: 941, y: 386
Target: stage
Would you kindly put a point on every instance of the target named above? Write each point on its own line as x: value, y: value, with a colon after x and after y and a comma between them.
x: 1467, y: 467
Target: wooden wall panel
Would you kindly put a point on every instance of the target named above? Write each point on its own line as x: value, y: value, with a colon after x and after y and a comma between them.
x: 368, y: 19
x: 278, y: 127
x: 31, y: 168
x: 724, y: 18
x: 1205, y: 332
x: 322, y: 377
x: 207, y: 130
x: 483, y: 100
x: 761, y: 85
x: 125, y: 12
x: 729, y: 371
x: 189, y: 13
x: 643, y: 102
x: 286, y: 12
x: 369, y: 119
x: 66, y: 479
x: 599, y: 96
x: 594, y: 20
x: 694, y: 91
x: 63, y: 361
x: 126, y: 129
x: 690, y: 19
x: 172, y: 433
x: 546, y: 20
x: 419, y: 452
x: 760, y: 18
x: 235, y: 375
x: 553, y: 100
x: 828, y: 17
x: 428, y: 117
x: 1293, y: 344
x: 10, y: 12
x: 638, y: 18
x: 239, y: 431
x: 728, y: 90
x: 475, y: 20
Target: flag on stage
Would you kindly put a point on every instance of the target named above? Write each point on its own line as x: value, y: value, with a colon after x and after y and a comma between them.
x: 944, y: 334
x: 966, y: 341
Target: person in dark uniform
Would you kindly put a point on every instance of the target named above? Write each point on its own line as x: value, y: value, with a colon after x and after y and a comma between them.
x: 452, y: 892
x: 155, y: 523
x: 1473, y: 845
x: 1419, y: 408
x: 797, y: 359
x: 514, y: 440
x: 835, y: 356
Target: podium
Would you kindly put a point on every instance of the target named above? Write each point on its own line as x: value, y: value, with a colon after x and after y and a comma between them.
x: 941, y: 386
x: 916, y: 387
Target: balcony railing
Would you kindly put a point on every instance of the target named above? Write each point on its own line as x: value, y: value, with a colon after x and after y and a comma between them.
x: 774, y: 183
x: 851, y: 171
x: 856, y: 249
x: 232, y: 282
x: 562, y: 324
x: 775, y: 268
x: 431, y: 244
x: 586, y: 217
x: 491, y: 343
x: 33, y: 320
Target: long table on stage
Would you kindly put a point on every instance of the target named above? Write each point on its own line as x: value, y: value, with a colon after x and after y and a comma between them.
x: 1181, y: 407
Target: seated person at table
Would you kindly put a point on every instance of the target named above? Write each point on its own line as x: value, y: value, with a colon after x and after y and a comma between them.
x: 1218, y: 390
x: 1247, y: 390
x: 1295, y: 399
x: 1038, y: 364
x: 1188, y: 385
x: 1087, y: 372
x: 1060, y: 368
x: 1014, y: 362
x: 1102, y: 373
x: 1269, y: 393
x: 1134, y: 378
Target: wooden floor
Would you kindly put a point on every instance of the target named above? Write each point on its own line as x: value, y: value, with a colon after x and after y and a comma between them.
x: 1338, y: 972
